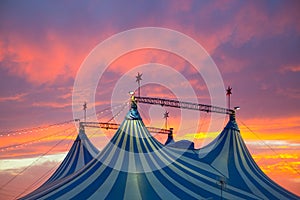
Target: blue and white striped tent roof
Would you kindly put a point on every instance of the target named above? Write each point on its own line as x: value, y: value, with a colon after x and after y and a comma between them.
x: 134, y: 165
x: 81, y: 153
x: 229, y: 155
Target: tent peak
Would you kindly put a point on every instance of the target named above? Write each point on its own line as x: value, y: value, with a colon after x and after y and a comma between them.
x: 133, y: 113
x: 232, y: 123
x: 81, y: 135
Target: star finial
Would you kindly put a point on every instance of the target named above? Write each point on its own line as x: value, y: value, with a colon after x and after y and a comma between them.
x: 166, y: 115
x: 84, y: 106
x: 228, y: 91
x: 138, y: 77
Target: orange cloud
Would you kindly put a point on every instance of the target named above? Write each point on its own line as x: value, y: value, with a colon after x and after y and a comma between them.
x: 283, y: 167
x: 277, y: 127
x: 290, y: 68
x: 29, y: 143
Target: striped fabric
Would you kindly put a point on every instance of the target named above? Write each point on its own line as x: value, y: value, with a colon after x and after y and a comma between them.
x: 229, y: 155
x: 134, y: 165
x: 81, y: 152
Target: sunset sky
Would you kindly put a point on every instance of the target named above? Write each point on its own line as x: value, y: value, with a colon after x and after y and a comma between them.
x: 254, y: 44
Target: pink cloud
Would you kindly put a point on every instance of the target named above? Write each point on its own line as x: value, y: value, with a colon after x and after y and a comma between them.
x: 17, y: 97
x: 242, y: 21
x: 51, y: 104
x: 293, y: 93
x: 256, y: 20
x: 290, y: 68
x: 54, y: 59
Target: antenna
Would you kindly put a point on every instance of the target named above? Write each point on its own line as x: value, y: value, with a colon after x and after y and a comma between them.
x: 138, y: 80
x: 84, y: 108
x: 166, y: 116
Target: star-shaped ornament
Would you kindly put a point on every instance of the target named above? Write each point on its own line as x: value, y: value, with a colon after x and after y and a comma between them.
x: 228, y: 90
x: 166, y: 115
x: 138, y: 77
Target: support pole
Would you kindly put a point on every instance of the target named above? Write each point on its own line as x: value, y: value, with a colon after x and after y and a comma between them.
x: 166, y: 116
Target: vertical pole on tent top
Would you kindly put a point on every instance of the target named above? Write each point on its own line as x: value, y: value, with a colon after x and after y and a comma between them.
x: 138, y: 80
x: 84, y: 108
x: 228, y: 93
x: 166, y: 116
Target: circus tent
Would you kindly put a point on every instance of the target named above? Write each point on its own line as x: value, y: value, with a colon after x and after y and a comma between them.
x: 134, y: 165
x: 81, y: 153
x: 229, y: 155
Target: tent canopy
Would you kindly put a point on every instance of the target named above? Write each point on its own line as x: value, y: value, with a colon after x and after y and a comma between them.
x: 81, y: 153
x: 134, y: 165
